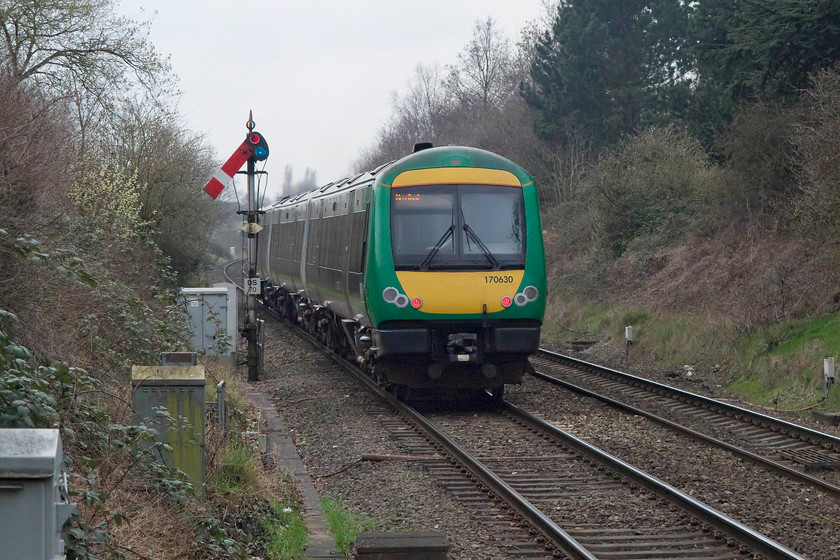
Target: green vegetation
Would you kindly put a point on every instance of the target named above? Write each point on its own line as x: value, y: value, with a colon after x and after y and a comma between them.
x: 650, y: 190
x: 237, y: 472
x: 778, y: 365
x: 238, y: 480
x: 286, y: 533
x: 54, y: 394
x: 782, y: 364
x: 578, y: 85
x: 343, y: 524
x: 95, y: 205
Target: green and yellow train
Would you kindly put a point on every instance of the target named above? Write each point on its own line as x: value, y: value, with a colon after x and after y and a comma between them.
x: 430, y: 270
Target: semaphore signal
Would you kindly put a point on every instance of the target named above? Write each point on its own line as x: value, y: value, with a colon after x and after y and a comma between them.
x: 254, y: 147
x: 252, y: 150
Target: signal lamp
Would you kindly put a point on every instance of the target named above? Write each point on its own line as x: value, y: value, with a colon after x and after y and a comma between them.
x: 506, y: 301
x: 416, y: 303
x: 258, y: 144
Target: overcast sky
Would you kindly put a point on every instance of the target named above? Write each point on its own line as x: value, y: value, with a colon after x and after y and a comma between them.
x: 318, y: 74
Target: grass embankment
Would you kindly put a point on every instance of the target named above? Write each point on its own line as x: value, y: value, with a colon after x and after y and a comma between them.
x: 266, y: 498
x: 779, y: 365
x: 238, y: 478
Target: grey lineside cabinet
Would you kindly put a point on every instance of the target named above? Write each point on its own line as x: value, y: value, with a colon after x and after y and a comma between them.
x: 33, y: 494
x: 179, y: 390
x: 213, y: 320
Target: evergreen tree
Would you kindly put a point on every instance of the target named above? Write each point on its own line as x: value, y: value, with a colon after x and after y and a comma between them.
x: 755, y: 49
x: 607, y: 67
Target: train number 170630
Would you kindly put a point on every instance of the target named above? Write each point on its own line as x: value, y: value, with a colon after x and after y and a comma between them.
x: 498, y: 279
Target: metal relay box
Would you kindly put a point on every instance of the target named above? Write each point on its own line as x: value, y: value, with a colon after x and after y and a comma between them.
x: 33, y: 494
x: 213, y: 320
x: 180, y: 390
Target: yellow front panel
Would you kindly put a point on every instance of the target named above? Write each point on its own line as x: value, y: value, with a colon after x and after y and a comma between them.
x: 459, y: 175
x: 461, y: 292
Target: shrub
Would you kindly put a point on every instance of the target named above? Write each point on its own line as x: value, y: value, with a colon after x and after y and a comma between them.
x: 759, y: 157
x: 286, y: 532
x: 650, y: 187
x: 237, y: 472
x: 817, y: 141
x: 101, y: 454
x: 108, y: 200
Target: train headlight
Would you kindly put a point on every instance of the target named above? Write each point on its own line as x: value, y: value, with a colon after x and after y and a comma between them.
x: 416, y: 303
x: 393, y: 295
x: 530, y: 293
x: 506, y: 301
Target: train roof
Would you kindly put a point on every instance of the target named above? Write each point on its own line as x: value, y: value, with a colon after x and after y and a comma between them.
x: 452, y: 156
x: 444, y: 156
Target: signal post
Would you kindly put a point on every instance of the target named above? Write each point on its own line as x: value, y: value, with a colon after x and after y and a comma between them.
x: 253, y: 149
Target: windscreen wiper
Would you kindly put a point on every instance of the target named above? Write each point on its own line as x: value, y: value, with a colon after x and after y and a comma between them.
x: 441, y: 242
x: 490, y: 258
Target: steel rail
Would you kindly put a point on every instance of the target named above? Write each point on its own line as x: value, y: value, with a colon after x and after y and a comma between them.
x: 804, y: 433
x: 756, y: 541
x: 553, y: 532
x: 550, y: 530
x: 773, y: 466
x: 227, y: 276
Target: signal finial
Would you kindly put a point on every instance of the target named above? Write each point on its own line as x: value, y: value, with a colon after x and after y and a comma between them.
x: 250, y: 124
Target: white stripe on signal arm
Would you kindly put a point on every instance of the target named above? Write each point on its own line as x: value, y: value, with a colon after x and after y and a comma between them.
x: 222, y: 177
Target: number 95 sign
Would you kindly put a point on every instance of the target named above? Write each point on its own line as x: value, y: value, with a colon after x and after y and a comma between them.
x: 252, y: 286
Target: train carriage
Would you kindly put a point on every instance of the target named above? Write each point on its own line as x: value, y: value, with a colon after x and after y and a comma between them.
x: 430, y: 269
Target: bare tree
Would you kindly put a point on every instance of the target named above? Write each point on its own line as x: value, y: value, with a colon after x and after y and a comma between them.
x: 46, y: 40
x: 80, y: 50
x: 475, y: 103
x: 423, y: 114
x: 286, y: 188
x: 35, y: 153
x: 172, y: 165
x: 309, y: 181
x: 481, y: 79
x: 422, y: 109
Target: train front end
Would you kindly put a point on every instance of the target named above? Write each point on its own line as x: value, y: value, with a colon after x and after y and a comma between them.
x: 455, y: 287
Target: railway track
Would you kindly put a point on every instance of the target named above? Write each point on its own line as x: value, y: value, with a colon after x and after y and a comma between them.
x: 530, y: 488
x: 786, y: 449
x: 604, y: 507
x: 548, y: 479
x: 531, y: 500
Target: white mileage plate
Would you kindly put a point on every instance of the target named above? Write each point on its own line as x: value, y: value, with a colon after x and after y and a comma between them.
x: 252, y: 286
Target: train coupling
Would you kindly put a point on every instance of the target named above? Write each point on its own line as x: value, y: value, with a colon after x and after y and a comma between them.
x: 463, y: 348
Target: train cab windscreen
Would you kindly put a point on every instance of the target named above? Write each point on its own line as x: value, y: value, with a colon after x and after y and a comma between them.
x: 449, y: 227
